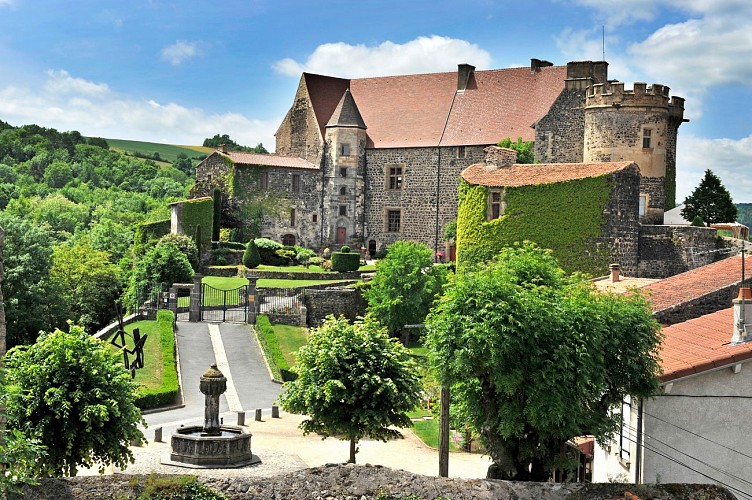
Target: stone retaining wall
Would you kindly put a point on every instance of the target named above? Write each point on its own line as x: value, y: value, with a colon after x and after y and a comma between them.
x: 669, y: 250
x: 340, y: 301
x: 366, y: 482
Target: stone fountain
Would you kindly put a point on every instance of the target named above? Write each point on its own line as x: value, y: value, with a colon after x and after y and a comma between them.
x: 212, y: 445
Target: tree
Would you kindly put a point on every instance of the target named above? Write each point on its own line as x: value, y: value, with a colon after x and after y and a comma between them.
x: 71, y: 392
x: 538, y: 357
x: 711, y: 201
x: 353, y: 382
x: 160, y: 266
x: 251, y: 256
x: 524, y: 149
x: 88, y: 282
x: 405, y: 285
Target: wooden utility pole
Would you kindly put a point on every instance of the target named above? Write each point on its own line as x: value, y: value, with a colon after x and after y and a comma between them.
x: 444, y: 433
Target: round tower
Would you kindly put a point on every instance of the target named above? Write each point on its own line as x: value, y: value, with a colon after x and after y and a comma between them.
x: 637, y: 125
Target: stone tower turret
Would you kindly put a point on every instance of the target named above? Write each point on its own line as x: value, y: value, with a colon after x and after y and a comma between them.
x: 637, y: 125
x: 344, y: 175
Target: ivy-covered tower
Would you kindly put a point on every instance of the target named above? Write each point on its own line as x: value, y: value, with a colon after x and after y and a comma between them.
x: 637, y: 125
x: 344, y: 175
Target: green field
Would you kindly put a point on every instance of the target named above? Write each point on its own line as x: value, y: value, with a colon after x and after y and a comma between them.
x: 151, y: 374
x: 167, y: 152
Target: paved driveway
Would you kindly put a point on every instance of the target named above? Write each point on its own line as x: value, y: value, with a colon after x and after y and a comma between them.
x: 236, y: 352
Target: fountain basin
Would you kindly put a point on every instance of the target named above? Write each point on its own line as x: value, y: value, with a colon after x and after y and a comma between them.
x: 191, y: 447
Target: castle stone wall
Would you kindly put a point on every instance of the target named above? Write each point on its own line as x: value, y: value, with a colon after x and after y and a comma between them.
x: 560, y: 134
x: 668, y: 250
x: 340, y: 301
x: 622, y: 227
x: 423, y: 168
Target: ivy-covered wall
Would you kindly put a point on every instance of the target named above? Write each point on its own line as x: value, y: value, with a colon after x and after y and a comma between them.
x: 148, y: 233
x: 199, y: 212
x: 576, y: 219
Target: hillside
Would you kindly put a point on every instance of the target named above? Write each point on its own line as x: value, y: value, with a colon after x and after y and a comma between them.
x: 155, y: 151
x: 744, y: 213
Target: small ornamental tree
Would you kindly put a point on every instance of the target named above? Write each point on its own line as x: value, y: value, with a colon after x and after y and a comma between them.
x: 537, y: 358
x: 251, y: 256
x: 405, y: 285
x: 71, y: 392
x: 524, y: 149
x: 710, y: 201
x: 353, y: 382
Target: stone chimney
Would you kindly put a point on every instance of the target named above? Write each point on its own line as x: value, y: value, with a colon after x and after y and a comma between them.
x: 742, y: 316
x: 464, y: 72
x: 537, y: 64
x: 500, y: 157
x: 615, y: 272
x: 223, y: 148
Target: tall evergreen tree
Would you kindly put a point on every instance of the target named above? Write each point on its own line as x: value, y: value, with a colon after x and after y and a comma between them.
x: 710, y: 201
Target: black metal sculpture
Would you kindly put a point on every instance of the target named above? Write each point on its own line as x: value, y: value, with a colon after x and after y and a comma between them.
x: 118, y: 340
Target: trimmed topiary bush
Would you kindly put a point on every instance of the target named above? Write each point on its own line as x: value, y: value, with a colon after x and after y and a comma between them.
x: 251, y: 257
x: 268, y: 250
x: 345, y: 249
x: 345, y: 261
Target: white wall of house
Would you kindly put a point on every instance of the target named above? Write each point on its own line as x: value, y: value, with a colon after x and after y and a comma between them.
x: 703, y: 423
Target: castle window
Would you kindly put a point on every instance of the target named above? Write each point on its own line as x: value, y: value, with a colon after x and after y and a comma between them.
x: 292, y: 217
x: 624, y: 435
x: 393, y: 221
x: 343, y: 190
x: 344, y: 149
x: 295, y: 183
x: 315, y: 217
x: 646, y: 136
x: 393, y: 176
x: 343, y: 210
x: 643, y: 205
x: 264, y: 180
x: 343, y: 172
x: 461, y: 153
x: 495, y: 205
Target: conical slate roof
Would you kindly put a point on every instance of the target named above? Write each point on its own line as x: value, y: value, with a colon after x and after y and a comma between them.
x: 346, y: 113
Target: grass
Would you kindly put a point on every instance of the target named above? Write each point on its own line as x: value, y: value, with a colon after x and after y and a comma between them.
x: 150, y: 376
x: 230, y: 283
x: 310, y: 269
x: 290, y: 338
x: 167, y: 152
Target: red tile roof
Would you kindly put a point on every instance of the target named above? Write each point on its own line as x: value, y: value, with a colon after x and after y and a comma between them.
x: 426, y: 110
x: 701, y: 344
x: 538, y: 173
x: 269, y: 160
x: 697, y: 283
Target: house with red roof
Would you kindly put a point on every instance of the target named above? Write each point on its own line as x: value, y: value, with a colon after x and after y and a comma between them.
x: 694, y: 430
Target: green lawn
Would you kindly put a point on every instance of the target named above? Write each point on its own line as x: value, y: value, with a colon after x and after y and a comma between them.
x: 310, y: 269
x: 230, y: 283
x: 167, y: 152
x: 290, y: 338
x: 151, y: 374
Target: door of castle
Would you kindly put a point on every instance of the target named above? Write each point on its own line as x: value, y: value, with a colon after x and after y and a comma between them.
x: 341, y: 235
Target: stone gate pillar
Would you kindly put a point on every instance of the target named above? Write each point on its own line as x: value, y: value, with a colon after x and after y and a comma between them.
x: 250, y: 316
x: 194, y: 310
x: 172, y: 301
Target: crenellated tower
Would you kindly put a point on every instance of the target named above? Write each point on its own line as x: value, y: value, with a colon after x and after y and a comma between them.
x: 637, y: 125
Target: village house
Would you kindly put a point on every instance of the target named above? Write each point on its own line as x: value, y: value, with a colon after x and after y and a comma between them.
x: 384, y: 155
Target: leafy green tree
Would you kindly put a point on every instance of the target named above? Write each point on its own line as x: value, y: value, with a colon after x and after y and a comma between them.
x: 71, y: 393
x: 353, y: 382
x: 524, y: 149
x: 26, y: 288
x: 251, y: 256
x: 88, y: 282
x: 186, y: 244
x: 224, y: 140
x: 710, y: 201
x: 405, y: 285
x: 161, y: 266
x: 538, y: 357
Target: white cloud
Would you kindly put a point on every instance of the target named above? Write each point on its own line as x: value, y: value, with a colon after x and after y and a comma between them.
x: 613, y: 14
x: 60, y: 82
x: 179, y: 52
x: 422, y: 55
x: 69, y: 103
x: 5, y: 2
x: 728, y: 159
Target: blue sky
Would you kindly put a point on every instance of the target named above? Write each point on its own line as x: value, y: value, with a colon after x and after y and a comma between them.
x: 178, y: 72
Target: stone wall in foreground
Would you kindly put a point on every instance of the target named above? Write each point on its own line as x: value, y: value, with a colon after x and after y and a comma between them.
x: 365, y: 482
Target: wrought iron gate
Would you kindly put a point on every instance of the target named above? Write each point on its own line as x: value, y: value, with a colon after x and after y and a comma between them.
x: 224, y: 305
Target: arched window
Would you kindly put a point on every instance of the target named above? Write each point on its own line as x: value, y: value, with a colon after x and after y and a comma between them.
x: 288, y: 240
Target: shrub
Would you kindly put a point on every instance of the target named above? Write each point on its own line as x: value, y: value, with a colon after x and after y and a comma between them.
x: 344, y: 262
x: 270, y: 345
x: 268, y: 251
x: 185, y: 244
x: 251, y: 257
x: 698, y: 222
x: 380, y: 254
x: 344, y: 249
x: 317, y: 261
